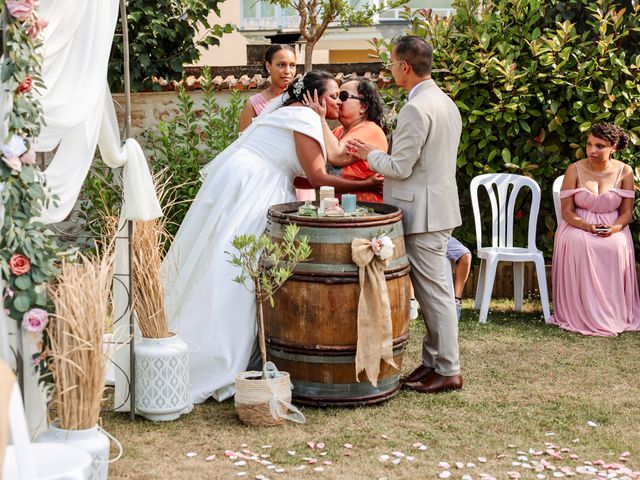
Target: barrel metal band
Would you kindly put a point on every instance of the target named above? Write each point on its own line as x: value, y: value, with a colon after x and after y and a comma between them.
x: 338, y: 235
x: 344, y: 390
x: 306, y: 358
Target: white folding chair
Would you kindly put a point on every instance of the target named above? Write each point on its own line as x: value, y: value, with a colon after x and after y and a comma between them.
x: 38, y: 461
x: 508, y: 186
x: 557, y: 186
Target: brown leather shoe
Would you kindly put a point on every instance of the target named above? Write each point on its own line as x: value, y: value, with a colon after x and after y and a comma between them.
x: 436, y: 383
x: 417, y: 375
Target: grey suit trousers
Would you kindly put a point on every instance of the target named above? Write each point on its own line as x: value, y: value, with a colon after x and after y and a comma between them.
x: 426, y: 252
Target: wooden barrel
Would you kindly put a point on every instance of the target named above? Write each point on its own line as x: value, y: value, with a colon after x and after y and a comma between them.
x: 312, y: 331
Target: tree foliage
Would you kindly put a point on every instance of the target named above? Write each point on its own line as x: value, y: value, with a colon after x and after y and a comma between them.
x: 530, y: 77
x: 163, y: 38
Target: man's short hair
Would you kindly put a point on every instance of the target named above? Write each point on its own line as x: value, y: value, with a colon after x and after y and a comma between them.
x: 417, y: 52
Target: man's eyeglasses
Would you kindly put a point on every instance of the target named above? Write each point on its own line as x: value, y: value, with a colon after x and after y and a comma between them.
x: 344, y: 96
x: 388, y: 65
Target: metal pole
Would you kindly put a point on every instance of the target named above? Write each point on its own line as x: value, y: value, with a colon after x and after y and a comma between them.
x: 127, y: 133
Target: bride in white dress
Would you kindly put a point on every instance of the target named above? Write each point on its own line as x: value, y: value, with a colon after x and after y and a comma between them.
x: 212, y: 313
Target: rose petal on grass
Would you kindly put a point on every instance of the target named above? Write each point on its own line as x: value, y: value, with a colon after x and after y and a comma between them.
x: 410, y: 458
x: 558, y: 474
x: 482, y: 459
x: 383, y: 458
x: 271, y: 467
x: 573, y: 456
x: 540, y: 476
x: 396, y: 461
x: 549, y: 434
x: 445, y: 474
x: 318, y: 469
x: 459, y: 465
x: 320, y: 445
x: 300, y: 467
x: 467, y: 477
x: 291, y: 452
x: 384, y: 437
x: 311, y: 444
x: 591, y: 423
x: 422, y: 447
x: 240, y: 463
x: 264, y: 446
x: 241, y: 474
x: 323, y: 454
x: 625, y: 454
x: 514, y: 475
x: 348, y: 445
x: 279, y: 470
x: 348, y: 453
x: 191, y: 454
x: 443, y: 465
x: 398, y: 454
x: 416, y: 445
x: 327, y: 462
x: 312, y: 461
x: 210, y: 458
x: 471, y: 465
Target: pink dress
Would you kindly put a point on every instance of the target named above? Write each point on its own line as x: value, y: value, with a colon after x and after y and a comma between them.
x: 259, y: 102
x: 595, y: 291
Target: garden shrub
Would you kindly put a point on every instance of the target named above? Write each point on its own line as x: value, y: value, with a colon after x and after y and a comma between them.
x: 530, y: 83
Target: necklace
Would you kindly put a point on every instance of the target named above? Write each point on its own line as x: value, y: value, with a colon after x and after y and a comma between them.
x: 601, y: 173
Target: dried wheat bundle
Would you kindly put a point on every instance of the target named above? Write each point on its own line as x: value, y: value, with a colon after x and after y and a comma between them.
x: 81, y: 297
x: 148, y: 299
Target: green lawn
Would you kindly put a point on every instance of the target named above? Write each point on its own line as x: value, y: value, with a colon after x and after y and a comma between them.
x: 528, y: 388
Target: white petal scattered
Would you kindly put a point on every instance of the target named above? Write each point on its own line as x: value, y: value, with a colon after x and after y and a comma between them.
x: 311, y: 444
x: 348, y: 445
x: 522, y: 458
x: 271, y: 467
x: 471, y: 465
x: 327, y: 462
x: 467, y: 477
x: 422, y: 447
x: 241, y: 474
x: 549, y: 434
x: 279, y: 470
x: 459, y: 465
x: 300, y: 467
x: 445, y: 474
x: 558, y: 474
x: 398, y: 454
x: 291, y: 452
x: 385, y: 437
x: 323, y: 454
x: 396, y: 461
x: 443, y: 465
x: 410, y: 458
x: 591, y: 423
x: 383, y: 458
x: 210, y: 458
x: 240, y: 463
x: 191, y: 454
x: 318, y: 469
x: 265, y: 446
x: 541, y: 476
x: 625, y: 454
x: 261, y: 477
x: 482, y: 459
x: 320, y: 445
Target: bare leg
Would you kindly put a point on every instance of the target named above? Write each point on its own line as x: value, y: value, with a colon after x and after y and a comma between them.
x: 461, y: 273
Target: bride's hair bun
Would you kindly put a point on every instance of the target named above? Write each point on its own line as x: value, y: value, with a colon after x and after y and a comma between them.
x: 315, y: 80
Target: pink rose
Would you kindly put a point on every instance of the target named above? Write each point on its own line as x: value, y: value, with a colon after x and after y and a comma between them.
x: 13, y: 163
x: 35, y: 320
x: 25, y: 85
x: 37, y: 25
x: 19, y: 264
x: 20, y: 9
x: 29, y: 158
x: 376, y: 246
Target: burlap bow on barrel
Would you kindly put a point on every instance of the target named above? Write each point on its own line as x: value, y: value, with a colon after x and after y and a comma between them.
x: 375, y: 336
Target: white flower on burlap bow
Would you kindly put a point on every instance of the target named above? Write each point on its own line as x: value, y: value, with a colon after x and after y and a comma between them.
x: 375, y: 335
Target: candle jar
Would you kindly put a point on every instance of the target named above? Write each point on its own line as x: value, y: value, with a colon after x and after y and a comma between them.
x: 348, y: 202
x: 325, y: 192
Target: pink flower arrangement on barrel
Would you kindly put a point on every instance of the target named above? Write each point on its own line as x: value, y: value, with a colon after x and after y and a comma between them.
x: 26, y: 11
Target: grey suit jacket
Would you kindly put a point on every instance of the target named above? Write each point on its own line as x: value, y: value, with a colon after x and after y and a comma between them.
x: 420, y: 172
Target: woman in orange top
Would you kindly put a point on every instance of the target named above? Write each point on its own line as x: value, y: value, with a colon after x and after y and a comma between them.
x: 360, y: 117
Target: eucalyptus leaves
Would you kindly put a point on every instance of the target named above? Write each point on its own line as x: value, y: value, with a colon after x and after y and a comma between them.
x: 27, y: 252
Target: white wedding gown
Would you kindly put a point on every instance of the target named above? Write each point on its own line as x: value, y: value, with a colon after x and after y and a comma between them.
x: 208, y: 310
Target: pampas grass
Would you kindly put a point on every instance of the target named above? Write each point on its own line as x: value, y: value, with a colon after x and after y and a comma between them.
x: 75, y: 355
x: 148, y: 298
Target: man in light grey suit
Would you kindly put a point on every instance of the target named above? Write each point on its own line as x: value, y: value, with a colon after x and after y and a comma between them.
x: 420, y: 178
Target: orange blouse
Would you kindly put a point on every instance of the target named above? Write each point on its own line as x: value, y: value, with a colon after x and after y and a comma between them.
x: 371, y: 133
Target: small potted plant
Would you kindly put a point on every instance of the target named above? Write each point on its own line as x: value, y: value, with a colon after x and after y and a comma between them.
x: 264, y: 398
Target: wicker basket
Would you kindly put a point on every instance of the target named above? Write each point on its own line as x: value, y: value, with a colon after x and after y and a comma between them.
x: 261, y: 401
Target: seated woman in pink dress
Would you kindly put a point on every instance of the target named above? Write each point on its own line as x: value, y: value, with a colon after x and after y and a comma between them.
x: 360, y: 117
x: 595, y: 290
x: 280, y: 65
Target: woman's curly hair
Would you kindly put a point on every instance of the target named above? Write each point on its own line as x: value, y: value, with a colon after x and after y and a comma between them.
x: 613, y: 133
x: 366, y: 90
x: 310, y: 82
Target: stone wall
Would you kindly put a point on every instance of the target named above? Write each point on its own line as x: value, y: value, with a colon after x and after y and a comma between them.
x: 148, y: 108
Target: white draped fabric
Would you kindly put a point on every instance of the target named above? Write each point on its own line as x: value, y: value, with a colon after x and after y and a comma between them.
x: 79, y: 112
